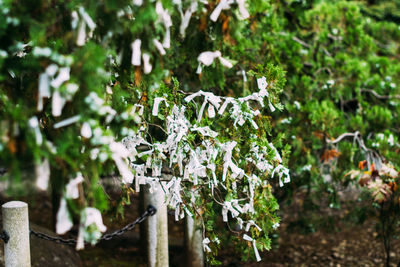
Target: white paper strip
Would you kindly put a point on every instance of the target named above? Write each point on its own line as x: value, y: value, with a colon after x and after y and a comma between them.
x: 146, y: 63
x: 157, y: 101
x: 87, y: 18
x: 136, y: 53
x: 248, y: 238
x: 271, y: 107
x: 86, y: 130
x: 165, y: 18
x: 64, y: 221
x: 72, y: 189
x: 225, y: 62
x: 167, y: 38
x: 81, y: 38
x: 75, y: 19
x: 44, y: 90
x: 205, y: 131
x: 51, y: 70
x: 119, y: 153
x: 262, y: 85
x: 80, y: 242
x: 252, y: 223
x: 42, y: 172
x: 244, y: 76
x: 63, y: 76
x: 93, y: 216
x: 211, y: 111
x: 244, y: 14
x: 206, y: 248
x: 208, y: 57
x: 57, y: 104
x: 34, y: 124
x: 159, y: 47
x: 67, y: 122
x: 223, y: 4
x: 186, y: 18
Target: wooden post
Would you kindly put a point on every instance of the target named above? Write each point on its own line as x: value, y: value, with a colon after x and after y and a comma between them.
x: 156, y: 227
x: 193, y: 243
x: 16, y: 224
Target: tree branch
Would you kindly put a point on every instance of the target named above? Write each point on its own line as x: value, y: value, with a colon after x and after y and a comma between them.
x: 337, y: 140
x: 380, y: 96
x: 297, y: 40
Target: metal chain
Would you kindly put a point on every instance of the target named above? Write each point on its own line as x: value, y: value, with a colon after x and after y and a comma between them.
x: 150, y: 211
x: 55, y: 239
x: 5, y: 236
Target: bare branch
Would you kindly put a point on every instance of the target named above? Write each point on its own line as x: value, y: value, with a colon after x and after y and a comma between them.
x: 326, y: 52
x: 371, y: 155
x: 336, y: 38
x: 380, y: 96
x: 158, y: 126
x: 324, y: 68
x: 337, y: 140
x: 297, y: 40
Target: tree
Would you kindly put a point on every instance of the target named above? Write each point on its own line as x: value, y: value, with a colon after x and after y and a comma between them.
x: 341, y: 99
x: 342, y: 86
x: 93, y: 88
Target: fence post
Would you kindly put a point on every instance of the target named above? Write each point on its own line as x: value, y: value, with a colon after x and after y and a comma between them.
x: 193, y: 243
x: 16, y: 224
x: 156, y: 227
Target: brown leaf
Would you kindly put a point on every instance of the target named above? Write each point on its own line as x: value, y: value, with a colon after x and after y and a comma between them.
x: 393, y: 186
x: 143, y: 99
x: 329, y: 155
x: 225, y: 24
x: 362, y: 165
x: 138, y: 76
x: 253, y: 26
x: 318, y: 134
x: 364, y: 181
x: 203, y: 24
x: 12, y: 146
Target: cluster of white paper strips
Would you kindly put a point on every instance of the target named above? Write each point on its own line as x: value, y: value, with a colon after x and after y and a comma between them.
x: 205, y: 58
x: 198, y: 164
x: 195, y: 164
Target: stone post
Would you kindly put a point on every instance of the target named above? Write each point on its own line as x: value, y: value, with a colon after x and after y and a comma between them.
x: 156, y: 227
x: 193, y: 243
x: 16, y: 224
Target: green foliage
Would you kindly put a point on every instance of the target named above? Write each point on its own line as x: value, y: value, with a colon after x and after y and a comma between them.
x: 71, y: 92
x: 341, y: 61
x: 334, y: 65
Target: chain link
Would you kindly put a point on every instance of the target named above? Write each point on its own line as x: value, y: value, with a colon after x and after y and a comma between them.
x: 150, y: 211
x: 5, y: 236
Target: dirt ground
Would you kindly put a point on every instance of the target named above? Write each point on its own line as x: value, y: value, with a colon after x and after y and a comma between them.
x: 352, y: 246
x: 343, y: 244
